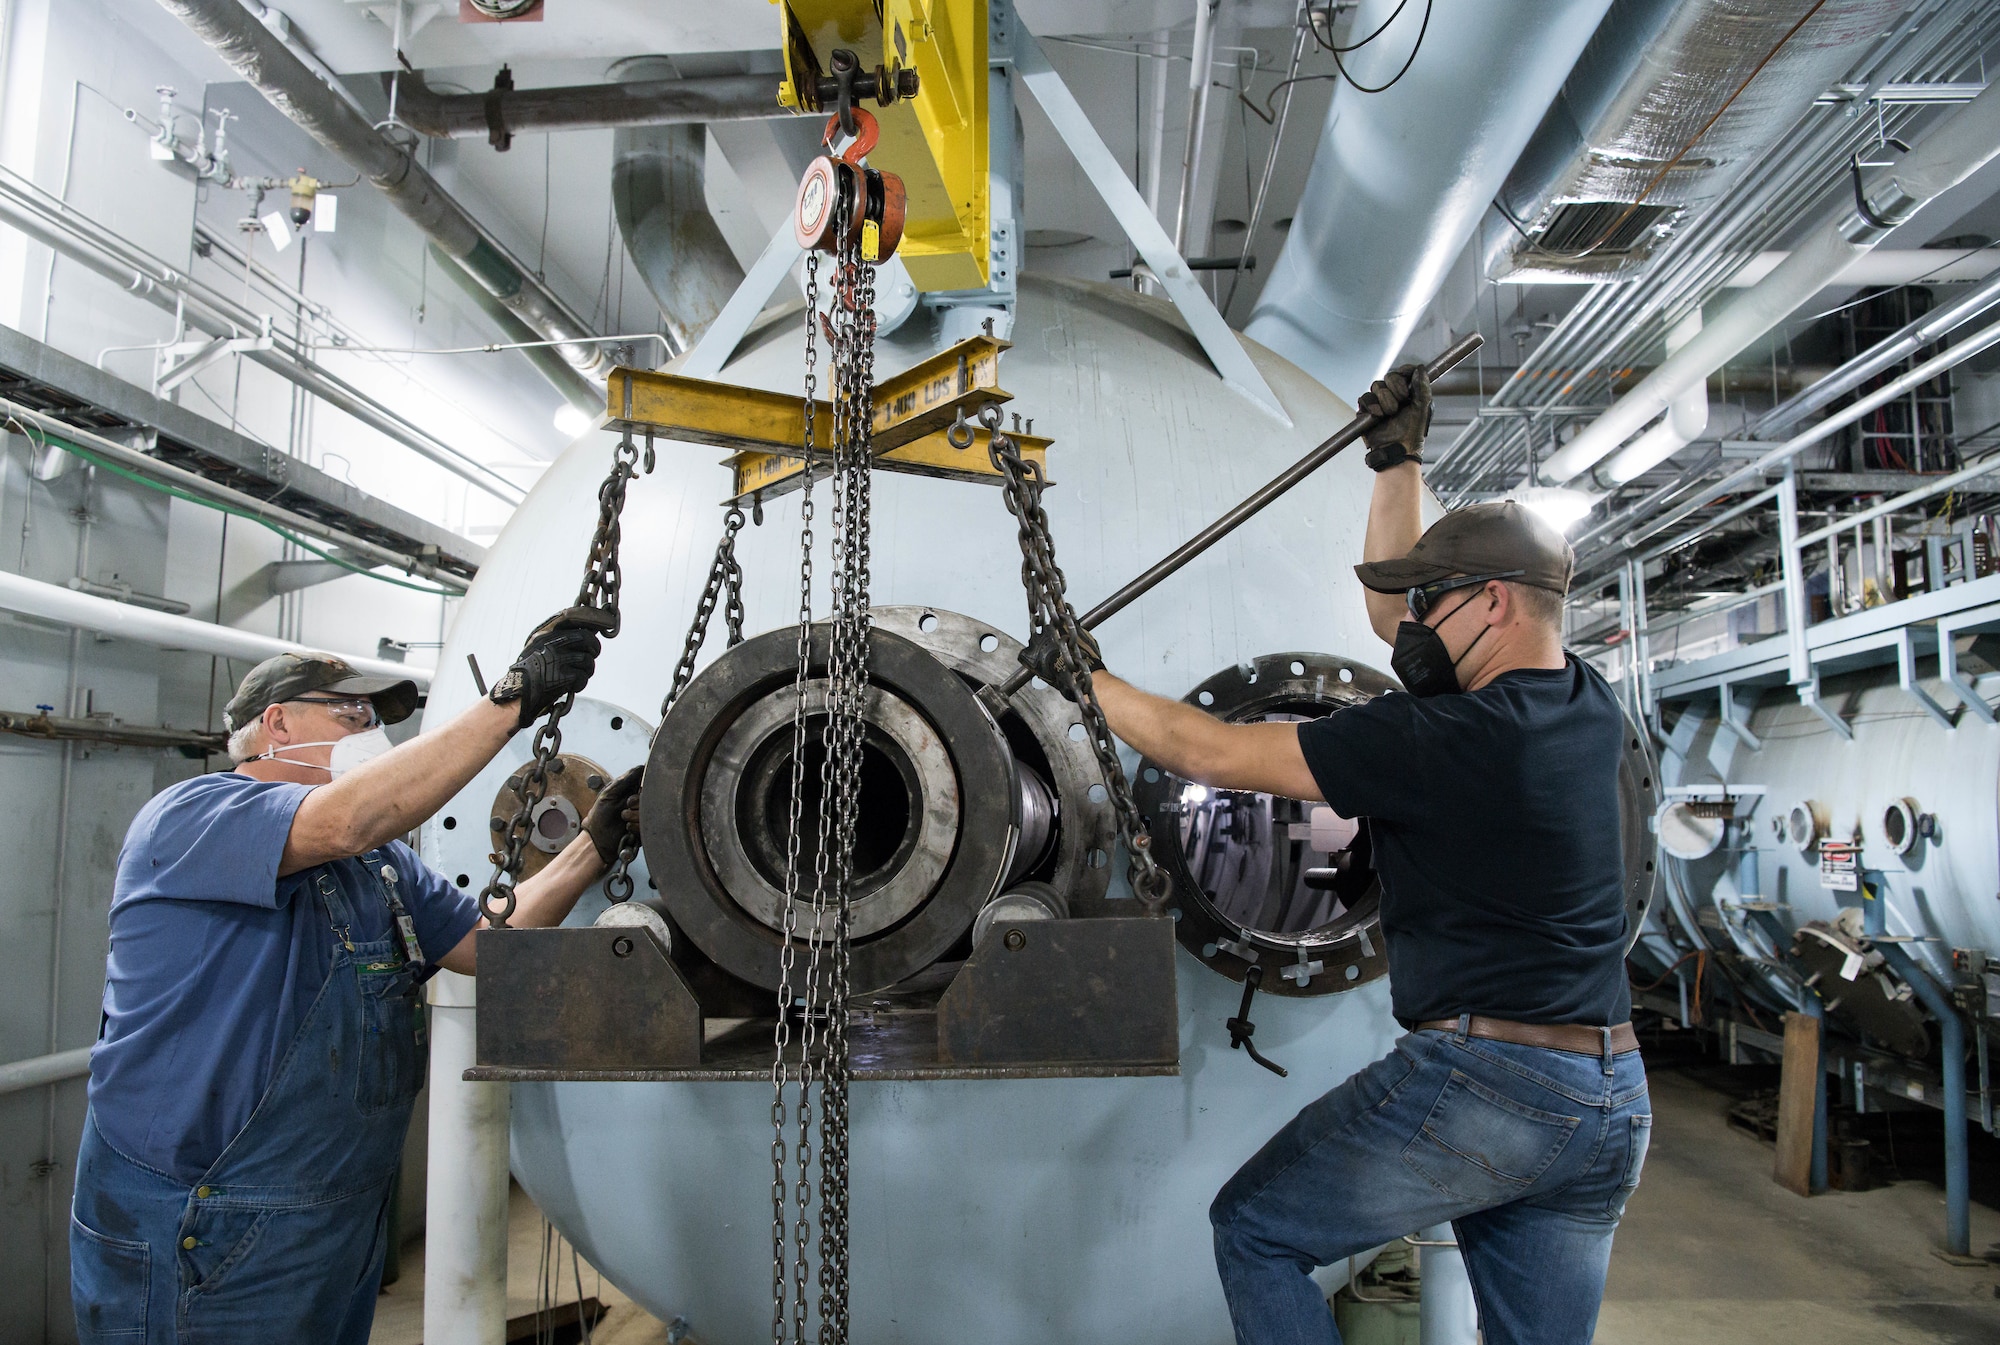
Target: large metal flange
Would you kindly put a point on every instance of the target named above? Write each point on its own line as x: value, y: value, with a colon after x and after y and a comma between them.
x: 940, y: 809
x: 1086, y: 826
x: 1339, y: 954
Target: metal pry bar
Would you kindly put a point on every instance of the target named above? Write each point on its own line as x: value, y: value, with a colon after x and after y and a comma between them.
x: 1258, y: 499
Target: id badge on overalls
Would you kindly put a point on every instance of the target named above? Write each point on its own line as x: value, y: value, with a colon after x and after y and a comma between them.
x: 405, y: 926
x: 406, y: 929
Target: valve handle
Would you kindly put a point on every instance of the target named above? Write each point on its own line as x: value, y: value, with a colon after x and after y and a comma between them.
x: 1241, y: 1029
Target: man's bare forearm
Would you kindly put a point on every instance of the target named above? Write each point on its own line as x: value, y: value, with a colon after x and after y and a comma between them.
x: 1195, y: 745
x: 1395, y: 522
x: 541, y: 902
x: 386, y: 797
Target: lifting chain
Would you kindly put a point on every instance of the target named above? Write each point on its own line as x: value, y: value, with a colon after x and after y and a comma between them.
x: 1049, y: 611
x: 821, y: 988
x: 725, y: 577
x: 602, y: 579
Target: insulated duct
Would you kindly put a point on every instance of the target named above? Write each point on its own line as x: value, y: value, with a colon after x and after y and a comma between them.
x: 1951, y: 153
x: 1401, y: 177
x: 258, y: 55
x: 657, y: 192
x: 1669, y: 103
x: 647, y: 100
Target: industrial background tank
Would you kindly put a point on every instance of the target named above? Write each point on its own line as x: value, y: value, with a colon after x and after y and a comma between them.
x: 1919, y: 797
x: 1075, y: 1206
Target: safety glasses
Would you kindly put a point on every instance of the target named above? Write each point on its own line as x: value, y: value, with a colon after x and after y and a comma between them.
x: 1424, y: 597
x: 357, y: 712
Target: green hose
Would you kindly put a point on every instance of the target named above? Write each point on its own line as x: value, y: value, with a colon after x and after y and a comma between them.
x: 128, y: 474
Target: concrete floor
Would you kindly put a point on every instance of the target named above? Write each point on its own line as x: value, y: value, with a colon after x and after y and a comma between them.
x: 1711, y: 1250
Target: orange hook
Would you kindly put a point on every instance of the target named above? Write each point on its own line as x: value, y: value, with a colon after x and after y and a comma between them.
x: 867, y: 132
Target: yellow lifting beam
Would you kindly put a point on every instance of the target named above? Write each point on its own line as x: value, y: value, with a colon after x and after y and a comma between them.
x: 937, y: 141
x: 765, y: 431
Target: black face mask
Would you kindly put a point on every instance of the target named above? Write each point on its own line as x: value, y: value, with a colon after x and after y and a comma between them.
x: 1422, y: 661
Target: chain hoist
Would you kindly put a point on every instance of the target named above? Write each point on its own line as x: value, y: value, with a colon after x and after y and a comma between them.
x: 1049, y: 612
x: 602, y: 579
x: 841, y: 212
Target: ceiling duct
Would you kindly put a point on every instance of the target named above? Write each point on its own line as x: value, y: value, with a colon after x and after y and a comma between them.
x: 658, y: 193
x: 1402, y: 177
x: 260, y: 57
x: 1670, y: 100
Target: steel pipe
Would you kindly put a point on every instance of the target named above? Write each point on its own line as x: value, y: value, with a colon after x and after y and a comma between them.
x: 1957, y: 1157
x: 53, y: 224
x: 1878, y: 357
x: 1243, y: 512
x: 44, y: 1069
x: 260, y: 57
x: 1957, y: 149
x: 49, y: 602
x: 581, y: 107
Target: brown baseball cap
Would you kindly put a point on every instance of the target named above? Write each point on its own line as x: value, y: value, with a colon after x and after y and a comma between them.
x: 1490, y: 538
x: 286, y: 677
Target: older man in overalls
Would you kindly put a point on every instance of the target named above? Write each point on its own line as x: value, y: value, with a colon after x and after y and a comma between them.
x: 263, y: 1036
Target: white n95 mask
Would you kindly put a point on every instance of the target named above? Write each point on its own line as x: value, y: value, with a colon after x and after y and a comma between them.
x: 354, y: 750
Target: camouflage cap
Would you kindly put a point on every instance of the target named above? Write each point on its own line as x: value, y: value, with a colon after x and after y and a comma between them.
x: 288, y: 676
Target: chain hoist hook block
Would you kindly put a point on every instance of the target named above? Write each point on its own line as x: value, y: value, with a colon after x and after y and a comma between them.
x: 842, y: 201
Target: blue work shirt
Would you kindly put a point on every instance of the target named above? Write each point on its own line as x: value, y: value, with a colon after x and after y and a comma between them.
x: 215, y: 961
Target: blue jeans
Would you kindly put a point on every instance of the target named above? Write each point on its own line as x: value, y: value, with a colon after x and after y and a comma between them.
x: 1530, y: 1153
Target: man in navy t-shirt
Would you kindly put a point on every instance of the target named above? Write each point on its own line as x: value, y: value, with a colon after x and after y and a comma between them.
x: 1516, y: 1108
x: 261, y: 1048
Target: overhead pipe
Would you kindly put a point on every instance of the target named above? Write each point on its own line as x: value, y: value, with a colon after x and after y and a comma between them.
x: 1199, y: 81
x: 237, y: 501
x: 123, y: 621
x: 503, y: 112
x: 1872, y: 361
x: 27, y: 208
x: 657, y: 194
x: 1681, y: 426
x: 258, y: 55
x: 1953, y: 152
x: 1402, y: 177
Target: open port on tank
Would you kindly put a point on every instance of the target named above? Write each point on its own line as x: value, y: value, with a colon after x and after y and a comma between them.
x: 1263, y: 881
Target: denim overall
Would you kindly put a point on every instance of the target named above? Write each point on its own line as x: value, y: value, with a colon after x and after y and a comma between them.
x: 283, y: 1237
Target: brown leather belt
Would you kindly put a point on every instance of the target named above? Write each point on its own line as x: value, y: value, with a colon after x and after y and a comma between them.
x: 1580, y: 1038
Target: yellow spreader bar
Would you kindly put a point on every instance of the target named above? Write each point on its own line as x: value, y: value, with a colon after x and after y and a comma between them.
x: 766, y: 430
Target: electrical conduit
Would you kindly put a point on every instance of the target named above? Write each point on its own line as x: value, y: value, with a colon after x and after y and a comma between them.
x: 1953, y: 152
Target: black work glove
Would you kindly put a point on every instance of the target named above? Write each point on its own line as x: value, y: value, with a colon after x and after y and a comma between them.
x: 556, y: 661
x: 615, y: 815
x: 1402, y: 400
x: 1044, y: 657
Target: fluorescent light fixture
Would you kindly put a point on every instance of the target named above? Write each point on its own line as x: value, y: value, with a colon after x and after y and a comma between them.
x: 280, y: 229
x: 574, y: 421
x: 326, y: 213
x: 1559, y: 506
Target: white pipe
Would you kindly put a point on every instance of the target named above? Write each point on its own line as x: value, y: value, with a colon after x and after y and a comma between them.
x: 1198, y: 82
x: 1888, y: 266
x: 31, y: 597
x: 1446, y: 1312
x: 1950, y: 154
x: 465, y: 1193
x: 43, y: 1069
x: 1682, y: 425
x: 1401, y: 178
